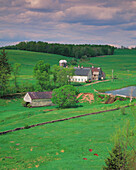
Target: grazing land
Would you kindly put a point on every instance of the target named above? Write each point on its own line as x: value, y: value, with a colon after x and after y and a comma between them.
x: 122, y: 63
x: 63, y: 145
x: 28, y: 60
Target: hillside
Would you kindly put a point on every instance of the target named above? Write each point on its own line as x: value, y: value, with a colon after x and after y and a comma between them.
x: 28, y: 59
x: 122, y: 62
x: 65, y: 144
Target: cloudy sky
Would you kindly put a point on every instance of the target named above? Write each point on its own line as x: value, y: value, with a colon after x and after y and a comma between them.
x: 68, y: 21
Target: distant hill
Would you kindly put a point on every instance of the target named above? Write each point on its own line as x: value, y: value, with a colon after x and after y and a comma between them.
x: 28, y: 59
x: 122, y: 62
x: 69, y: 50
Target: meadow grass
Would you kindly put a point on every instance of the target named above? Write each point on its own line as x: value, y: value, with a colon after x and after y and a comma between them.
x: 13, y: 114
x: 122, y: 63
x: 28, y: 60
x: 63, y: 145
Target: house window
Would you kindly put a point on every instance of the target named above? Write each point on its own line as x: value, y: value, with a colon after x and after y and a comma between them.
x: 82, y: 79
x: 78, y: 79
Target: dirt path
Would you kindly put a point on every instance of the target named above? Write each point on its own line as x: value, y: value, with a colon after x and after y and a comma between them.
x: 96, y: 82
x: 59, y: 120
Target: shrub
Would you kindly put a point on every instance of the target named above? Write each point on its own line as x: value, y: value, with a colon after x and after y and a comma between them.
x: 123, y: 110
x: 65, y: 96
x: 26, y: 126
x: 117, y: 159
x: 24, y: 103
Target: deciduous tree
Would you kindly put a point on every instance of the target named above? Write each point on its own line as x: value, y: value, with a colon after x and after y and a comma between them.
x: 41, y: 73
x: 16, y: 69
x: 65, y: 96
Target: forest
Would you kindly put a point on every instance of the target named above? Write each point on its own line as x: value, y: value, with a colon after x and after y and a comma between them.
x: 69, y: 50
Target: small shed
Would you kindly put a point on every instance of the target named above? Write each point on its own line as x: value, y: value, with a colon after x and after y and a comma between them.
x: 38, y: 99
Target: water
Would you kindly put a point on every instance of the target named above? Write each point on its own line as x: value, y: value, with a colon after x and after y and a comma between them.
x: 124, y: 91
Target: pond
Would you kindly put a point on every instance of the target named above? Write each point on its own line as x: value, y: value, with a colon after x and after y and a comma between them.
x: 124, y: 91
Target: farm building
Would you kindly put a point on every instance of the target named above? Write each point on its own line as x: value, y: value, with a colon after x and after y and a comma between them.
x: 82, y: 74
x: 63, y: 63
x: 97, y: 73
x: 37, y: 99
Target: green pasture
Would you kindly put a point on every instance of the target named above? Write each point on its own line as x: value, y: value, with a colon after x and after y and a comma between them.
x: 61, y: 145
x: 108, y: 85
x: 13, y: 114
x: 122, y: 63
x: 28, y: 60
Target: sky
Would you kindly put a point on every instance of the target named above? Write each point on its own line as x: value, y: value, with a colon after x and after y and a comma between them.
x: 110, y: 22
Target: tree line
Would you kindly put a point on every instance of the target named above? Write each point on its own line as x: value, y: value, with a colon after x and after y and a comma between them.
x: 69, y: 50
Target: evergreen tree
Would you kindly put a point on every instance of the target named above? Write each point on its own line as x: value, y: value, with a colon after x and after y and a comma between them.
x: 5, y: 71
x: 117, y: 159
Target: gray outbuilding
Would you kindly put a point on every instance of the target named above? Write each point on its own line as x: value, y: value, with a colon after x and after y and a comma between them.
x: 38, y: 99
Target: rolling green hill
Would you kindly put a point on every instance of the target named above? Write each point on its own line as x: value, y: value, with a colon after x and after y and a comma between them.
x: 122, y: 63
x: 63, y: 145
x: 28, y: 59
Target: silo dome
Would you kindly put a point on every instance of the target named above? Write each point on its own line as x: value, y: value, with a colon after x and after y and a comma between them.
x: 63, y: 63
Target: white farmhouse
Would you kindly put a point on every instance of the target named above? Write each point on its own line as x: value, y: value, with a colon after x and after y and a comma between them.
x: 82, y: 74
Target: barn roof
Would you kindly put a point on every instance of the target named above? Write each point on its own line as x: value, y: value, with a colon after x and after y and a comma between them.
x: 40, y: 95
x: 82, y: 71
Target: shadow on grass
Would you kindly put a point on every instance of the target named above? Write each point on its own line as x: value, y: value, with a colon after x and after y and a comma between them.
x: 77, y: 84
x: 13, y: 96
x: 69, y: 107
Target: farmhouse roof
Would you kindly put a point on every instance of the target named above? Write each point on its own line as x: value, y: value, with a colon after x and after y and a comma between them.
x: 82, y: 71
x: 95, y: 69
x: 40, y: 95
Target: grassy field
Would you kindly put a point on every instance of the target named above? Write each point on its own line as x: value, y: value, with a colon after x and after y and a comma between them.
x: 63, y: 145
x: 122, y: 62
x: 28, y: 60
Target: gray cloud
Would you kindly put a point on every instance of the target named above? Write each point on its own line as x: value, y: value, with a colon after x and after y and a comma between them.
x: 69, y: 21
